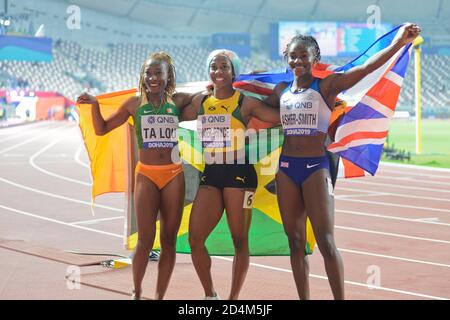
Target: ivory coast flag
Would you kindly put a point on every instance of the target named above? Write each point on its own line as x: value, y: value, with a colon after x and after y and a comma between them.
x: 108, y: 153
x: 113, y: 158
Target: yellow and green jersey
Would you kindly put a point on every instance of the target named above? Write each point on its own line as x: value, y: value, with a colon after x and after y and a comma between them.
x: 157, y: 127
x: 220, y: 125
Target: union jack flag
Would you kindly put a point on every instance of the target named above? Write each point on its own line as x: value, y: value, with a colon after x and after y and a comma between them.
x: 363, y: 127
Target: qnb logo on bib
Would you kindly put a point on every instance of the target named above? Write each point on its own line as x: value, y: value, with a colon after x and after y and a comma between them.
x: 162, y: 119
x: 159, y: 131
x: 215, y: 119
x: 299, y: 105
x: 214, y: 130
x: 300, y: 118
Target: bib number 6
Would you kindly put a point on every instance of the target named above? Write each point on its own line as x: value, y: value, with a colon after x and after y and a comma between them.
x: 248, y: 199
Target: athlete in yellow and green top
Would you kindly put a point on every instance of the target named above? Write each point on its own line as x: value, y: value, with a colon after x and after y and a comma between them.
x: 159, y: 181
x: 229, y: 180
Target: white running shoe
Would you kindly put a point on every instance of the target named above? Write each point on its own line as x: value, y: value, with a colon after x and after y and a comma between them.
x: 214, y: 297
x: 134, y: 296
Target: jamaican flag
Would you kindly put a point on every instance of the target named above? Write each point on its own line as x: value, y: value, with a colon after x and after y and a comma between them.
x: 266, y: 235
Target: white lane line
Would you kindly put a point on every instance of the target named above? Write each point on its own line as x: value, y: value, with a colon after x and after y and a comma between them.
x: 59, y: 222
x: 77, y: 157
x: 13, y: 155
x: 18, y: 130
x: 97, y: 220
x: 397, y: 205
x: 411, y: 166
x: 15, y: 146
x: 346, y: 281
x: 418, y: 181
x: 25, y: 162
x: 426, y: 175
x: 397, y: 235
x: 121, y: 210
x: 430, y: 220
x: 34, y: 165
x: 55, y: 156
x: 394, y: 258
x: 15, y: 136
x: 361, y: 195
x: 53, y: 195
x: 374, y: 215
x: 373, y: 193
x: 273, y: 268
x: 20, y: 134
x: 390, y: 185
x: 116, y: 209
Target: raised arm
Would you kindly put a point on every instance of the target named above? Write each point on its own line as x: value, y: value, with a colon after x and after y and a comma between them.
x: 102, y: 126
x: 336, y: 83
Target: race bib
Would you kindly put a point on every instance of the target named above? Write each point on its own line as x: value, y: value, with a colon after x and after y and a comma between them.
x: 159, y: 131
x: 248, y: 200
x: 300, y: 118
x: 214, y: 130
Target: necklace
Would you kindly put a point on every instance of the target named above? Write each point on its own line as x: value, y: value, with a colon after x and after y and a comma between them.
x: 303, y: 89
x: 157, y: 108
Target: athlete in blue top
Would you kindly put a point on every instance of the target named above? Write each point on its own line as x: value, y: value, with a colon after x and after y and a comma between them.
x: 304, y: 186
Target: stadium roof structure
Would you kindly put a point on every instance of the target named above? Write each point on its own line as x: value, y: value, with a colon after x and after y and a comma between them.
x: 252, y: 15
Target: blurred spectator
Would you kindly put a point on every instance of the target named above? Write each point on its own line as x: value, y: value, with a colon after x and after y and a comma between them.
x: 2, y: 113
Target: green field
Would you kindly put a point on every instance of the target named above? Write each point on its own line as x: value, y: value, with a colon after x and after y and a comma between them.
x: 435, y: 141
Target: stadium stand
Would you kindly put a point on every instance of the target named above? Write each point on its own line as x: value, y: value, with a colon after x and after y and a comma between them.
x: 116, y: 67
x: 114, y: 39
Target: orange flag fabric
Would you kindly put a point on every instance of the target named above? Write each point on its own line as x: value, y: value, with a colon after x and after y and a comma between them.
x: 108, y: 153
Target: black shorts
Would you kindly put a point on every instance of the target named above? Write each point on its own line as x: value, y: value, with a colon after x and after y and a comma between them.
x: 229, y: 176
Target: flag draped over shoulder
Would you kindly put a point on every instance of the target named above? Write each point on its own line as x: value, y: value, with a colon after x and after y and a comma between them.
x: 362, y: 127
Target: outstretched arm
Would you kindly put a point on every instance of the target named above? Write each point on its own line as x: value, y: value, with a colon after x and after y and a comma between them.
x: 102, y: 126
x: 267, y: 110
x: 252, y: 107
x: 190, y: 111
x: 336, y: 83
x: 274, y: 99
x: 183, y: 99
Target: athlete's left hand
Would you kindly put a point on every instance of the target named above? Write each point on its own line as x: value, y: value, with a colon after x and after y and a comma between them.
x: 410, y: 34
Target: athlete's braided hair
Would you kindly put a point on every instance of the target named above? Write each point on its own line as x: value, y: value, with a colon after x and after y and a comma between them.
x: 171, y: 80
x: 307, y: 41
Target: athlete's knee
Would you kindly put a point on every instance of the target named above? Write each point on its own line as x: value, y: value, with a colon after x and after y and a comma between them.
x: 168, y: 242
x: 327, y: 246
x: 240, y: 243
x: 297, y: 243
x: 144, y: 245
x: 196, y: 242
